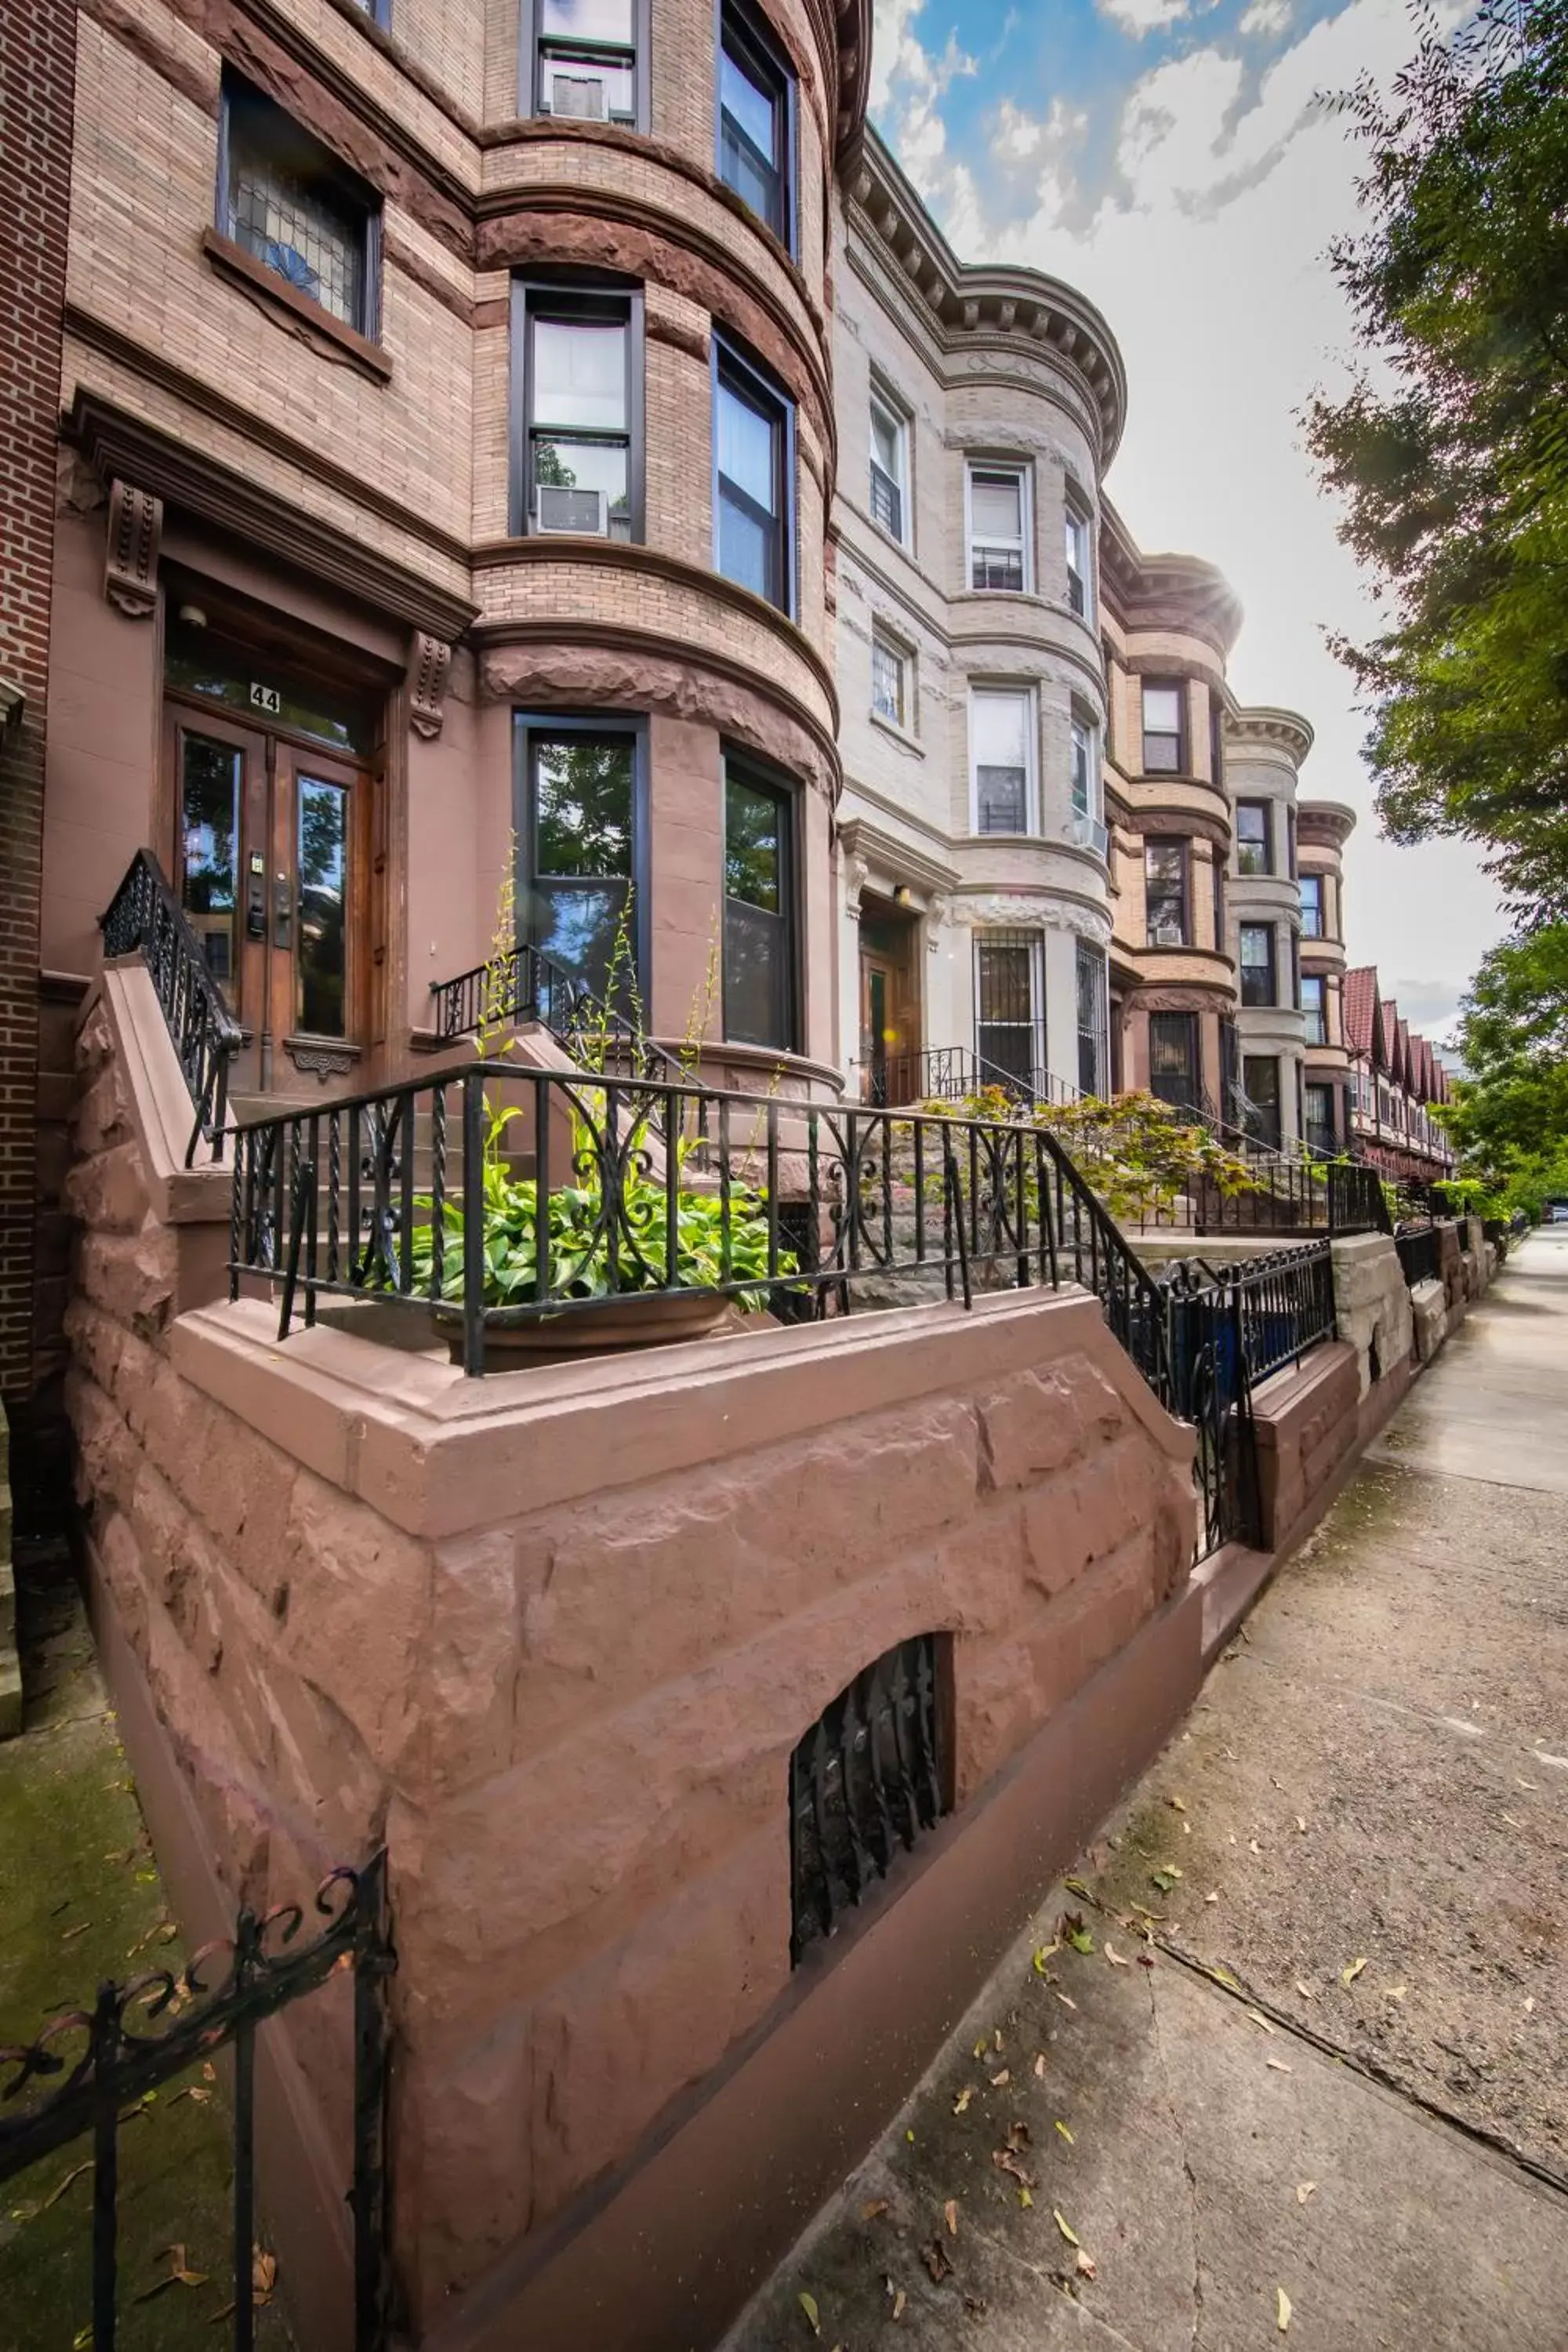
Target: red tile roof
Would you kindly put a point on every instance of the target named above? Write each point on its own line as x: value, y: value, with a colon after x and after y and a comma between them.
x: 1360, y: 996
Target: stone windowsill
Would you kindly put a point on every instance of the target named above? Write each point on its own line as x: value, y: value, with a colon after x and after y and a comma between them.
x: 900, y: 735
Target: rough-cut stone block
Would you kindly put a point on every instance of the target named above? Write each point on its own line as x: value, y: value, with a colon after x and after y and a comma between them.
x: 107, y: 1194
x: 1429, y: 1307
x: 358, y: 1622
x: 1041, y: 1422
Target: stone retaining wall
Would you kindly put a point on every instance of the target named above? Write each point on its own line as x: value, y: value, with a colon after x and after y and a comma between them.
x: 552, y: 1637
x: 1372, y: 1306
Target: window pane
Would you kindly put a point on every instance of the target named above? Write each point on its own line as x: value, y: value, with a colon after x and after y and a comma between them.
x: 289, y: 216
x: 580, y: 373
x: 210, y: 777
x: 1001, y: 729
x: 995, y: 507
x: 1005, y: 1017
x: 886, y: 682
x: 578, y: 925
x: 747, y: 444
x: 1174, y: 1057
x: 885, y: 443
x: 583, y: 805
x: 1252, y: 842
x: 1162, y: 710
x: 753, y: 846
x: 1312, y: 905
x: 321, y: 957
x: 596, y: 470
x: 587, y: 20
x: 1082, y: 780
x: 587, y: 90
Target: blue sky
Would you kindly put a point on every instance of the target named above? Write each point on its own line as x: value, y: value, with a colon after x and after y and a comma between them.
x: 1173, y: 161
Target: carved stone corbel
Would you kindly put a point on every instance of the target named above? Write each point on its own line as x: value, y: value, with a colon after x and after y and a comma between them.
x: 427, y: 685
x: 131, y: 557
x: 856, y: 874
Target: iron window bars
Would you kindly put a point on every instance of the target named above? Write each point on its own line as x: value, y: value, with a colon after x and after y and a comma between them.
x: 144, y: 917
x: 868, y: 1779
x: 103, y: 2059
x: 287, y: 200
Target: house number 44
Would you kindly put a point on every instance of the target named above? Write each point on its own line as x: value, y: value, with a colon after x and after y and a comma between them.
x: 266, y: 697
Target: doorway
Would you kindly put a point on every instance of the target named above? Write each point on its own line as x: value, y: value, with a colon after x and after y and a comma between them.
x: 892, y: 1069
x: 272, y: 781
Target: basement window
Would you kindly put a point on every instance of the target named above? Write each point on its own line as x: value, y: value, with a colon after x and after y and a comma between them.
x: 867, y: 1782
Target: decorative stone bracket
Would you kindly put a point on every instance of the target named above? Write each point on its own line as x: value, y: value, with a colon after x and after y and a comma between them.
x: 427, y: 685
x: 131, y: 559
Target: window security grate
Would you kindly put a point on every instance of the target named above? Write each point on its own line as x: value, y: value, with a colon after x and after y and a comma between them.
x: 865, y: 1781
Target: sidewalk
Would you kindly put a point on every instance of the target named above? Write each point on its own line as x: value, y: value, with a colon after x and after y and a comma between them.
x: 1338, y: 2072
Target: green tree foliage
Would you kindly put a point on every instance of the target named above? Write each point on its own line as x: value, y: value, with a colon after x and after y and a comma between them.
x: 1450, y: 451
x: 1509, y: 1116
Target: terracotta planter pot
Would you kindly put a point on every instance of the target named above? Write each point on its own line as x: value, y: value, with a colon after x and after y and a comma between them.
x: 654, y: 1320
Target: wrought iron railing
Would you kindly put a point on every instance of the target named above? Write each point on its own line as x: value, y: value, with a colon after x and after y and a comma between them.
x: 1357, y: 1203
x: 145, y: 918
x: 100, y: 2063
x: 952, y: 1074
x: 527, y: 985
x: 593, y: 1191
x: 1420, y: 1251
x: 866, y: 1781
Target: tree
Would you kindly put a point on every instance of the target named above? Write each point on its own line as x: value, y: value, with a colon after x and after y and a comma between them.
x: 1510, y: 1116
x: 1450, y: 450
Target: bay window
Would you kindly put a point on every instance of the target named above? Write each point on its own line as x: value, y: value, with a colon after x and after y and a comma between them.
x: 759, y: 909
x: 1166, y: 893
x: 1254, y: 842
x: 1259, y: 984
x: 756, y: 120
x: 578, y: 377
x: 1162, y: 733
x: 585, y: 61
x: 1079, y: 556
x: 1315, y: 1008
x: 753, y: 448
x: 1001, y: 746
x: 579, y: 790
x: 998, y: 508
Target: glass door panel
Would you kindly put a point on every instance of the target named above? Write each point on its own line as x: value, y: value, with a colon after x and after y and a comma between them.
x: 211, y: 786
x: 321, y: 952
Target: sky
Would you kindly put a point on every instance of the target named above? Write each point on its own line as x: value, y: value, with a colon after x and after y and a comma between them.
x: 1174, y: 160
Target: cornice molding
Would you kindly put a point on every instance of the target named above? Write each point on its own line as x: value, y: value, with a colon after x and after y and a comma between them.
x: 116, y: 444
x: 1286, y: 730
x: 1018, y: 309
x: 1174, y: 593
x: 1327, y: 824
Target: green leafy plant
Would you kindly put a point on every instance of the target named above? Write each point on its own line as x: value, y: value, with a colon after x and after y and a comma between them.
x: 1135, y: 1152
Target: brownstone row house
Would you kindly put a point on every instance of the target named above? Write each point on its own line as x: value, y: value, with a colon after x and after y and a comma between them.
x: 1395, y: 1082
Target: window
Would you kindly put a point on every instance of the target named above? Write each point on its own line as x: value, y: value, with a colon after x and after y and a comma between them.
x: 1217, y: 741
x: 577, y: 357
x: 1084, y: 795
x: 1093, y: 1021
x: 1320, y: 1116
x: 1291, y: 866
x: 1216, y: 876
x: 998, y: 527
x: 1261, y: 1085
x: 578, y: 827
x: 1312, y: 907
x: 1254, y: 839
x: 1315, y: 1009
x: 1166, y: 893
x: 1162, y: 729
x: 756, y: 121
x: 889, y: 468
x: 759, y: 910
x: 1009, y: 1004
x: 1173, y: 1058
x: 290, y: 204
x: 1001, y: 731
x: 1258, y: 982
x: 378, y: 11
x: 889, y: 680
x: 1080, y: 595
x: 580, y: 60
x: 753, y: 472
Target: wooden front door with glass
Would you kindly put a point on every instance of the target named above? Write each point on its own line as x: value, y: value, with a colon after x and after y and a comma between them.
x: 272, y: 819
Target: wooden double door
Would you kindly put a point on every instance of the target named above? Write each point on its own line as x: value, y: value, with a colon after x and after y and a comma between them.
x: 273, y: 849
x: 890, y: 1059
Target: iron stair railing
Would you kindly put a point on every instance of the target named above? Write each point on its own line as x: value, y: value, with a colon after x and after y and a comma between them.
x: 145, y: 918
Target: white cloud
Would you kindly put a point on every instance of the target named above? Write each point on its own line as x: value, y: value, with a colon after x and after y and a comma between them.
x: 1140, y: 16
x: 1207, y: 255
x: 1266, y: 17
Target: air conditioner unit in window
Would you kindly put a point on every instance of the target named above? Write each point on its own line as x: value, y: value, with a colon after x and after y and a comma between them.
x: 578, y: 96
x: 578, y: 510
x: 1087, y: 833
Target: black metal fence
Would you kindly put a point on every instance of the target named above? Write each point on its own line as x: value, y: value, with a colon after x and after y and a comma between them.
x: 145, y: 918
x: 593, y: 1192
x: 952, y: 1074
x: 871, y: 1774
x: 1420, y: 1251
x: 102, y: 2061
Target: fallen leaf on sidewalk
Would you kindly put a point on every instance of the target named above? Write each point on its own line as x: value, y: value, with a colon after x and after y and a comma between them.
x: 1065, y: 2133
x: 1394, y: 1992
x: 1258, y: 2019
x: 899, y: 2299
x: 1086, y: 2265
x: 1065, y: 2001
x: 1177, y: 1805
x: 72, y: 1933
x: 263, y: 2275
x: 982, y: 2046
x: 1076, y: 1933
x: 1280, y: 2066
x: 1211, y: 1898
x: 1000, y: 2082
x: 1304, y: 2190
x: 874, y: 2210
x: 1165, y: 1877
x: 1024, y: 2198
x: 1044, y: 1954
x: 1302, y: 1824
x: 1007, y: 2160
x: 1531, y: 1785
x: 1114, y: 1957
x: 1252, y: 1846
x: 1283, y: 2320
x: 950, y: 2215
x: 1040, y: 2063
x: 1512, y: 1822
x: 934, y: 2257
x: 1065, y: 2226
x: 179, y: 2274
x: 1348, y: 1976
x: 1018, y: 2134
x: 813, y: 2319
x: 1305, y: 1991
x: 964, y: 2099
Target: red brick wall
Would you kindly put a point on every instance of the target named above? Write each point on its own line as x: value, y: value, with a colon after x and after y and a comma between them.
x: 37, y: 69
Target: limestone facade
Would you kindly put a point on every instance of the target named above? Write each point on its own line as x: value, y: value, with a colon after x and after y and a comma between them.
x: 1323, y: 827
x: 1264, y: 751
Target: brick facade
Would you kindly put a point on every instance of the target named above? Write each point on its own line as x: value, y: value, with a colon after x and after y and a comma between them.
x: 38, y: 63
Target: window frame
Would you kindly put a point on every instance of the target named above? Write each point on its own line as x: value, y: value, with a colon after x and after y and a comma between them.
x: 1258, y: 1004
x: 729, y: 359
x: 758, y: 776
x: 1181, y: 843
x: 753, y: 32
x: 1271, y: 1139
x: 1193, y: 1059
x: 1265, y: 810
x: 1031, y: 940
x: 582, y: 290
x: 1020, y: 470
x: 899, y: 419
x: 526, y: 726
x: 354, y: 192
x: 1318, y: 980
x: 379, y: 12
x: 1178, y: 687
x: 1087, y: 951
x: 1313, y: 930
x: 531, y: 42
x: 1031, y: 828
x: 1077, y: 516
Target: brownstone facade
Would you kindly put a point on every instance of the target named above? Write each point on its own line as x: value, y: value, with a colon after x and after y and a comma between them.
x: 38, y: 49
